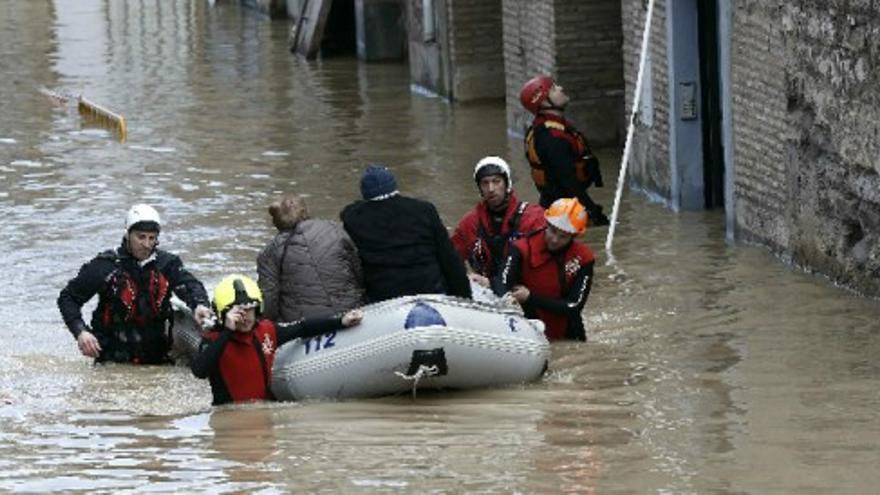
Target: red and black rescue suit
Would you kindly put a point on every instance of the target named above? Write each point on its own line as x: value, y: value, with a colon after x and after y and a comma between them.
x: 559, y: 283
x: 483, y: 237
x: 239, y: 364
x: 562, y: 164
x: 131, y: 320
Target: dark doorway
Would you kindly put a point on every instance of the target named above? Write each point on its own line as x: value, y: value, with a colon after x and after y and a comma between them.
x: 339, y: 32
x: 710, y: 83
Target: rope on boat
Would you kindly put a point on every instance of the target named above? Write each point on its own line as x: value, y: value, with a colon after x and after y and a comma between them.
x: 504, y: 306
x: 415, y: 377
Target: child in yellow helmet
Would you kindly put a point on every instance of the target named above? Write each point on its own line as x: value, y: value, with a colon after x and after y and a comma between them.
x: 238, y: 353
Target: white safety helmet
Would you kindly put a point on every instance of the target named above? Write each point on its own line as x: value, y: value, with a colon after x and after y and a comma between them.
x: 142, y: 214
x: 493, y: 165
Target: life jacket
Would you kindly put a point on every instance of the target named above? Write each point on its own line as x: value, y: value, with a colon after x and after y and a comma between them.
x: 490, y: 249
x: 551, y: 276
x: 586, y: 164
x: 245, y: 367
x: 134, y: 303
x: 133, y: 314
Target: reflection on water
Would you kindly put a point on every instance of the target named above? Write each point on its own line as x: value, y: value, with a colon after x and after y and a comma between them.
x: 710, y: 367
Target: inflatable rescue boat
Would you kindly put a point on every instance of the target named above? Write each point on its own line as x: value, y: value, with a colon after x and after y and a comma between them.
x: 404, y: 344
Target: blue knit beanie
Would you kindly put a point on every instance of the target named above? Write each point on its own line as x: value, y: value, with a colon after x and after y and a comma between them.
x: 378, y: 183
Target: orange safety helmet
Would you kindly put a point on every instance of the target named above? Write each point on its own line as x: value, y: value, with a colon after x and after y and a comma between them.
x: 567, y: 214
x: 535, y: 91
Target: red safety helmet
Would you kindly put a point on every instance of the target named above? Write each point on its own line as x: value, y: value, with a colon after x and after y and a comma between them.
x: 535, y: 91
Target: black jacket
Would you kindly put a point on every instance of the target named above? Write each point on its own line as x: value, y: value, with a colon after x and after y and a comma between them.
x: 404, y: 249
x: 146, y: 341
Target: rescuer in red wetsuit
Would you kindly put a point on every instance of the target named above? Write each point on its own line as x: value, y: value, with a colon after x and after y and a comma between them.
x: 237, y: 355
x: 484, y: 234
x: 550, y: 273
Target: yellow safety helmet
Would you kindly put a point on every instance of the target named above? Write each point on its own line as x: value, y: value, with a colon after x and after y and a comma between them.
x: 567, y: 214
x: 237, y: 289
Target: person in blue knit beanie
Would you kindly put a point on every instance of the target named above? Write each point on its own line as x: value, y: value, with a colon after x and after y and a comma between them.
x: 378, y: 183
x: 403, y: 244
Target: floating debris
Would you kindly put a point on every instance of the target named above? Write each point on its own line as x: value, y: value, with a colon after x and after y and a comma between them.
x: 155, y: 149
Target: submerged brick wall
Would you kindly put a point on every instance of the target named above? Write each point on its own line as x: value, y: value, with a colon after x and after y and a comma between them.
x: 649, y: 166
x: 463, y: 61
x: 760, y: 124
x: 589, y: 64
x: 529, y: 49
x: 475, y: 49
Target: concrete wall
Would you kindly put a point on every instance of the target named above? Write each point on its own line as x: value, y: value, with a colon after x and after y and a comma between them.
x: 805, y: 129
x: 579, y: 42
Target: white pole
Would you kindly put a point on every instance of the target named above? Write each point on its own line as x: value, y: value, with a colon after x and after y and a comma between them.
x: 627, y: 147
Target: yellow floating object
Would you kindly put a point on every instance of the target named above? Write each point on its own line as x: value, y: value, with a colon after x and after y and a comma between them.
x: 92, y: 113
x: 103, y: 117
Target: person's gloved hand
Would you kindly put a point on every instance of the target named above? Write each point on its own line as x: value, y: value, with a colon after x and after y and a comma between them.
x: 597, y: 218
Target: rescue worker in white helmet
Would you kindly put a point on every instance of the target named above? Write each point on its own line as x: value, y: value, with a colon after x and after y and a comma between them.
x: 484, y: 234
x: 134, y: 283
x: 237, y: 355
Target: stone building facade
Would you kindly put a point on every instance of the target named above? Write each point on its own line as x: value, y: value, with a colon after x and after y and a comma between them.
x: 794, y: 102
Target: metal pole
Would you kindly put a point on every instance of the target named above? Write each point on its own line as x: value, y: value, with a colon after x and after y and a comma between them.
x: 627, y: 147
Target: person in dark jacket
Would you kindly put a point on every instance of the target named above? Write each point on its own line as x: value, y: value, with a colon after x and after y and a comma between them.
x: 562, y: 163
x: 484, y: 234
x: 403, y: 245
x: 551, y: 273
x: 238, y: 354
x: 310, y: 268
x: 134, y: 284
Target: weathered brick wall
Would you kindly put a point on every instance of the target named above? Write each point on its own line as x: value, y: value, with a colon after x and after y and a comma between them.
x: 760, y: 124
x: 589, y: 65
x: 475, y: 49
x: 649, y: 165
x: 529, y: 49
x: 579, y: 43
